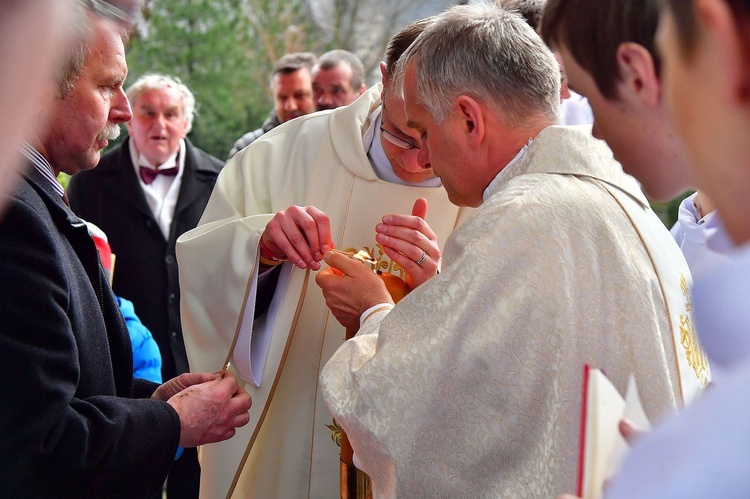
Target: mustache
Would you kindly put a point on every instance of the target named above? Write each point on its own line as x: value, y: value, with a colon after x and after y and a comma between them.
x: 110, y: 132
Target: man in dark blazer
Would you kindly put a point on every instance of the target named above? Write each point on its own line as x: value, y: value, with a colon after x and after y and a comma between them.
x: 74, y: 422
x: 144, y: 194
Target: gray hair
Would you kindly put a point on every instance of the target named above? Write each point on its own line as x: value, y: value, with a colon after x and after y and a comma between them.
x: 333, y: 58
x: 531, y: 10
x: 73, y: 66
x: 292, y: 62
x: 490, y: 54
x: 154, y: 81
x: 84, y: 14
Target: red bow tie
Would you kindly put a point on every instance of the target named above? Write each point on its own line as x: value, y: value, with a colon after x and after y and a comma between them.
x: 149, y: 174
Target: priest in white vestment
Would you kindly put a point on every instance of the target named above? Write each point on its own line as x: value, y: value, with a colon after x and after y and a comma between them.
x: 472, y: 385
x: 347, y: 168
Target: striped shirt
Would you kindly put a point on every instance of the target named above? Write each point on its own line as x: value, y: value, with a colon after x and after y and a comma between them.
x: 41, y: 165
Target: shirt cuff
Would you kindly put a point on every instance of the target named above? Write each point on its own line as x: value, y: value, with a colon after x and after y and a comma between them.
x: 375, y: 308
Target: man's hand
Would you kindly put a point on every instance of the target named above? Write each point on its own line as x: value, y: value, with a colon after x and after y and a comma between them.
x: 301, y: 234
x: 410, y: 242
x: 350, y: 288
x: 209, y: 410
x: 175, y: 385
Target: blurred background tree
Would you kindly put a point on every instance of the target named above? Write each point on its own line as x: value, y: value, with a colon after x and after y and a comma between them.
x: 223, y: 50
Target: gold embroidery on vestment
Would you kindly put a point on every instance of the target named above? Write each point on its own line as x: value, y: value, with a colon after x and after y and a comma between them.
x: 695, y: 355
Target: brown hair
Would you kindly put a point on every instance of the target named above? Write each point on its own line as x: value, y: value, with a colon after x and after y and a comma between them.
x: 401, y: 41
x: 592, y: 30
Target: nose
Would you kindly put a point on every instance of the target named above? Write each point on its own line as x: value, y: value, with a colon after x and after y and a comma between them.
x: 564, y: 91
x: 423, y: 156
x: 324, y: 100
x: 410, y: 161
x: 120, y: 111
x: 291, y: 105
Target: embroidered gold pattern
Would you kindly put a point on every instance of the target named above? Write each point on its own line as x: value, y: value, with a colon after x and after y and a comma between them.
x: 335, y: 432
x: 383, y: 263
x: 695, y: 355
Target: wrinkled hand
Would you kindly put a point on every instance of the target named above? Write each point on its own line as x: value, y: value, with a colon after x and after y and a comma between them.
x: 175, y: 385
x: 405, y: 238
x: 302, y: 234
x: 350, y: 288
x: 209, y: 410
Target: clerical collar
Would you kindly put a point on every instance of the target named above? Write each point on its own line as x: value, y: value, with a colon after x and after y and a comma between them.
x: 378, y: 159
x: 41, y: 165
x: 491, y: 188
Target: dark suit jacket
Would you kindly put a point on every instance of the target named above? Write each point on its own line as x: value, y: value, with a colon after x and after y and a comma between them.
x: 145, y: 266
x: 69, y: 424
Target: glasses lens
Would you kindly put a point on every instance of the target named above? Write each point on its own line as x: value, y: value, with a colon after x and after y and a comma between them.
x: 397, y: 141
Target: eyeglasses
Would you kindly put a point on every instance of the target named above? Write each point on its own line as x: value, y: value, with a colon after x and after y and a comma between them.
x: 398, y: 141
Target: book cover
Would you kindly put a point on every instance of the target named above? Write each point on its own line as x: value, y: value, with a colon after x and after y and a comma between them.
x: 602, y: 447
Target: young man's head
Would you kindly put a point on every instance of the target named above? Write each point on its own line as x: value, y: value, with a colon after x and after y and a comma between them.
x: 706, y: 51
x: 608, y: 50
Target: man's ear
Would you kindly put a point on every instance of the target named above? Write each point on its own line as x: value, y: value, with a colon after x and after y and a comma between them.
x: 471, y: 119
x: 382, y: 80
x: 730, y: 31
x: 638, y: 74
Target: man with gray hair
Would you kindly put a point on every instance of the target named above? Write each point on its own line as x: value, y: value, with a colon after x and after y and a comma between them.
x: 338, y: 79
x: 472, y: 385
x: 78, y: 424
x: 291, y: 86
x: 144, y: 194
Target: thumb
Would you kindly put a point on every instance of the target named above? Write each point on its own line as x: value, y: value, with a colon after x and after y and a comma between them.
x: 342, y: 263
x: 420, y: 208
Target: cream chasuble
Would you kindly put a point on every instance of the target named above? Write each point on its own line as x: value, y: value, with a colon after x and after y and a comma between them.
x: 472, y: 385
x: 318, y: 160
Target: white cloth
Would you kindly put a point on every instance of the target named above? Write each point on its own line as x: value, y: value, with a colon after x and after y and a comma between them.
x: 693, y: 236
x: 162, y: 193
x: 318, y: 159
x: 472, y: 385
x: 576, y: 110
x: 705, y: 451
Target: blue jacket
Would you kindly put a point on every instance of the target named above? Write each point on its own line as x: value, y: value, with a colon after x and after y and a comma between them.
x: 146, y: 356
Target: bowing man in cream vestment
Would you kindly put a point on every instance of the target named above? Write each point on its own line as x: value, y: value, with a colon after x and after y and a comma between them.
x: 317, y: 160
x: 471, y: 385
